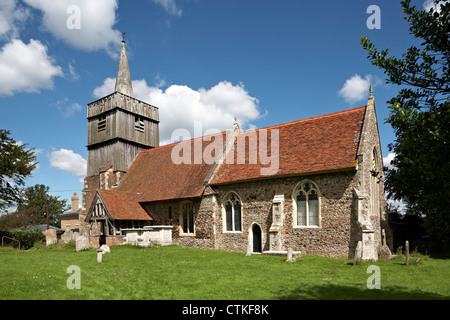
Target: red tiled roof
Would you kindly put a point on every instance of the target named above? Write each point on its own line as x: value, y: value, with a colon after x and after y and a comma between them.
x: 153, y: 176
x: 324, y: 143
x: 319, y: 144
x: 122, y: 206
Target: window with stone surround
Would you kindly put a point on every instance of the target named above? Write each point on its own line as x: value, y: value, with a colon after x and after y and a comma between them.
x: 306, y: 205
x: 233, y: 213
x: 187, y: 218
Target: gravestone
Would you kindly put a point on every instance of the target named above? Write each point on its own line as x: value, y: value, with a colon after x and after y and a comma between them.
x: 131, y: 238
x: 50, y: 237
x: 69, y: 236
x: 105, y: 249
x: 82, y: 243
x: 99, y: 255
x: 290, y: 255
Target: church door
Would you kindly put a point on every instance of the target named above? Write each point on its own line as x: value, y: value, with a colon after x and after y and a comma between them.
x: 257, y: 245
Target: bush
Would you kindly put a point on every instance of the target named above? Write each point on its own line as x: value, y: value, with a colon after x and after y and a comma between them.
x: 27, y: 238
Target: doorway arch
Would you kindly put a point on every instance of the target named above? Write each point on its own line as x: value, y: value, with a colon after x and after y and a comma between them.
x: 257, y: 238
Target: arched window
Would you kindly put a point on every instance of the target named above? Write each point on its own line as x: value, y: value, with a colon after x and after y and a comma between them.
x: 187, y: 217
x: 306, y: 198
x: 233, y: 213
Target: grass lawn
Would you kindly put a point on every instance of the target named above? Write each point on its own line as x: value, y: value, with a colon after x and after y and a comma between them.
x: 177, y: 273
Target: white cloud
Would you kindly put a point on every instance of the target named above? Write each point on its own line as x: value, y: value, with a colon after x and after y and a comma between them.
x: 73, y: 73
x: 90, y: 27
x: 11, y: 17
x: 106, y: 88
x: 170, y: 6
x: 356, y: 88
x: 180, y: 106
x: 70, y: 161
x: 387, y: 160
x: 67, y: 110
x: 428, y: 4
x: 26, y: 67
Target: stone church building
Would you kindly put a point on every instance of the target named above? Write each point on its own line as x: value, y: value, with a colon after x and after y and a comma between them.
x: 305, y: 185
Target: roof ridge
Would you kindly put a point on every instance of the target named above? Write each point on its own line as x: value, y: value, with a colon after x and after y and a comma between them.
x: 273, y: 126
x: 192, y: 139
x: 309, y: 119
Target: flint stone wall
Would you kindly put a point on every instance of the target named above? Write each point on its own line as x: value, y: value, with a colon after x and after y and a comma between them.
x: 336, y: 236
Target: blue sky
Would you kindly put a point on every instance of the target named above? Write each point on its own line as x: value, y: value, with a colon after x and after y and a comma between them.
x: 266, y: 62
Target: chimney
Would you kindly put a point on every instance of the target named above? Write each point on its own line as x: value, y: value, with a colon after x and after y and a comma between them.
x: 75, y: 203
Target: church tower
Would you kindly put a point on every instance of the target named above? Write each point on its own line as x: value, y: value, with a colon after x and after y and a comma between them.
x: 119, y: 128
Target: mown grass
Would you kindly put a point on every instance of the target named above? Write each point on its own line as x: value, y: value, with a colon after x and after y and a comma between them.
x: 177, y: 273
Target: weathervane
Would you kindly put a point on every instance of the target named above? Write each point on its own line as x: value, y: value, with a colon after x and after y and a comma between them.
x: 123, y: 36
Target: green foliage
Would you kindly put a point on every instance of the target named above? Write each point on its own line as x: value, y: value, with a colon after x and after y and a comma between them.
x: 16, y: 163
x: 32, y: 209
x: 27, y: 238
x: 420, y: 117
x: 34, y: 200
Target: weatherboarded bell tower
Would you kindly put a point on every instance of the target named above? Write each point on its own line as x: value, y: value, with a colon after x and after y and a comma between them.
x: 119, y: 128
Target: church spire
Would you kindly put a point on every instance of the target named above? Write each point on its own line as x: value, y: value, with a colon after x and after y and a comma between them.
x: 123, y: 80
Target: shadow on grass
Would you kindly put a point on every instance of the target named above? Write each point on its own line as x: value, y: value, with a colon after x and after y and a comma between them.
x: 339, y: 292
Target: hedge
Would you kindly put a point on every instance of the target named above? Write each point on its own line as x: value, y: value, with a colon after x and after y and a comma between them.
x: 27, y: 238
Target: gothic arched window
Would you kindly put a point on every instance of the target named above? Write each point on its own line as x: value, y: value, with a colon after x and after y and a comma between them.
x: 187, y: 217
x: 233, y: 213
x: 306, y: 198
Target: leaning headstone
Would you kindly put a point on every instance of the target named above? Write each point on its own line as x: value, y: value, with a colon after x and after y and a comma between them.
x: 50, y: 237
x: 65, y: 237
x: 105, y: 248
x: 358, y: 254
x: 82, y: 243
x: 290, y: 254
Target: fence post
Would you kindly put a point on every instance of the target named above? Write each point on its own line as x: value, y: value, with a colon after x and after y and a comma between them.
x: 407, y: 252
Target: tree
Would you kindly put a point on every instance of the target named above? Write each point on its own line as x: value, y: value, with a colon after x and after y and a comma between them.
x: 34, y: 203
x: 19, y: 219
x: 420, y: 117
x: 16, y: 163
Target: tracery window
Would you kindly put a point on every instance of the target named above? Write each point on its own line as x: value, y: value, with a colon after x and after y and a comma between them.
x: 233, y: 213
x: 307, y: 205
x: 187, y: 217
